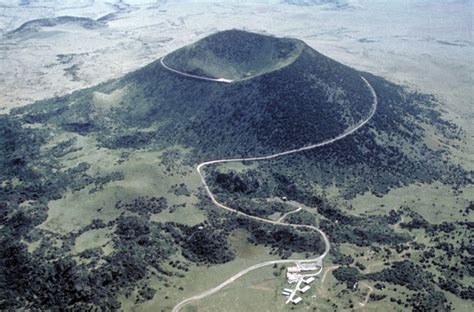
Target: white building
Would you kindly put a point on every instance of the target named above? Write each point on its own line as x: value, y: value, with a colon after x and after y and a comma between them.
x: 309, y: 280
x: 305, y: 289
x: 312, y: 266
x: 297, y: 300
x: 294, y: 269
x: 292, y: 277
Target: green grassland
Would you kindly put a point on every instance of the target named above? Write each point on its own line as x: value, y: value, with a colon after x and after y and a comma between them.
x: 200, y: 278
x: 264, y: 287
x: 436, y: 202
x: 257, y: 292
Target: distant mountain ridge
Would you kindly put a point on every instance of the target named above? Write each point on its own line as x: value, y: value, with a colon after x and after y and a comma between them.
x: 336, y: 3
x: 36, y: 24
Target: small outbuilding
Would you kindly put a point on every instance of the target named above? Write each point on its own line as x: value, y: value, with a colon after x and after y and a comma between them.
x: 309, y: 280
x: 297, y: 300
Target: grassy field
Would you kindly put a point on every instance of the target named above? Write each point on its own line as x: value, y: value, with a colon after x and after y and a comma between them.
x: 200, y: 278
x: 259, y: 291
x: 436, y: 202
x: 93, y: 239
x: 144, y: 175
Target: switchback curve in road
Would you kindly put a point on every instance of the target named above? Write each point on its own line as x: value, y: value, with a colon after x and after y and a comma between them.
x: 288, y: 213
x: 232, y: 210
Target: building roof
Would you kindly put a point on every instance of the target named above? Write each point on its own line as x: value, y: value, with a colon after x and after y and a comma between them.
x: 308, y: 266
x: 297, y: 300
x: 305, y: 289
x: 309, y: 280
x: 293, y: 269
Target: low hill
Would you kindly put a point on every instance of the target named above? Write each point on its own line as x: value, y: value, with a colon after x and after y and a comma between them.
x: 36, y: 25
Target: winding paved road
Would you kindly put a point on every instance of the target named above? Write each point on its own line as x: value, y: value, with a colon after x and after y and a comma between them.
x: 200, y: 167
x: 162, y: 61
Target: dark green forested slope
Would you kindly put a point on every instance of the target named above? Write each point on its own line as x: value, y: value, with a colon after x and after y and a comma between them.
x: 311, y: 99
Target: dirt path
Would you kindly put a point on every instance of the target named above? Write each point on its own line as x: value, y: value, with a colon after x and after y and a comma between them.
x: 321, y: 286
x: 367, y: 297
x: 287, y: 214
